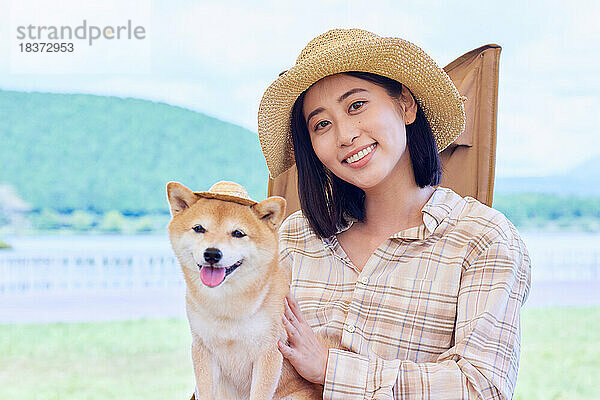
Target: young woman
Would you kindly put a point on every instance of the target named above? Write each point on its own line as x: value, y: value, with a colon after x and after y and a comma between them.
x: 421, y: 287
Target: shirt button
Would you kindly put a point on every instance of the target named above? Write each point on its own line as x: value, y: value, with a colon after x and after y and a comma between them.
x: 365, y: 280
x: 350, y: 328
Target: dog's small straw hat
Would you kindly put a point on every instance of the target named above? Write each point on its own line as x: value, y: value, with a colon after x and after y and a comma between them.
x: 228, y: 191
x: 344, y: 50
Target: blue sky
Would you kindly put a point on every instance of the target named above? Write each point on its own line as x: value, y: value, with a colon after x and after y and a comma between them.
x: 219, y: 57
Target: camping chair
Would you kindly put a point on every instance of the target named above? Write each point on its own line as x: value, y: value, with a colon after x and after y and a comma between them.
x: 470, y: 160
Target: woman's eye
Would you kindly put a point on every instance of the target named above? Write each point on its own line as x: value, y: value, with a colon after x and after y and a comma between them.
x: 238, y: 234
x: 321, y: 125
x: 356, y: 105
x: 199, y: 229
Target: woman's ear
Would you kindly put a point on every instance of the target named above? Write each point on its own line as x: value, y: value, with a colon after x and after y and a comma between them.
x: 408, y: 104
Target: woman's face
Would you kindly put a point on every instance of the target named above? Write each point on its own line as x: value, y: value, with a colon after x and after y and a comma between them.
x: 357, y: 130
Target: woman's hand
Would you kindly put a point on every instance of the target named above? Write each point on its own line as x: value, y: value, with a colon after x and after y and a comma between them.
x: 305, y: 352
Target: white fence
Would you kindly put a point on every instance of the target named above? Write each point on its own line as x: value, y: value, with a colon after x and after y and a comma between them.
x: 20, y: 274
x: 566, y: 265
x: 40, y: 273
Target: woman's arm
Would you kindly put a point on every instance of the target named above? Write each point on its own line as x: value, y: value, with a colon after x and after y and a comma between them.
x: 484, y: 360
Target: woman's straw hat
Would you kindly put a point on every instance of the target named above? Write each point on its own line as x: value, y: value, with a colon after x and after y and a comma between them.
x: 228, y: 191
x: 344, y: 50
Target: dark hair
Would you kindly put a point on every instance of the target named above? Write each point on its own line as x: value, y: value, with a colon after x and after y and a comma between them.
x: 326, y: 200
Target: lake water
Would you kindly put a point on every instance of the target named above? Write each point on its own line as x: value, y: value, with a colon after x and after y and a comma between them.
x: 67, y: 244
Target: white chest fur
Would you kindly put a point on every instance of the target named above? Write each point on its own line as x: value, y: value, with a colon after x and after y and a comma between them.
x: 248, y: 331
x: 235, y: 345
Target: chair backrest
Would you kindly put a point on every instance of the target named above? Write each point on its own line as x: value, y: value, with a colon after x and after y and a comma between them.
x: 469, y: 162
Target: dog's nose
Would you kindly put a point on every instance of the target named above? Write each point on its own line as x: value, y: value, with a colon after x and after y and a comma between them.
x: 212, y: 255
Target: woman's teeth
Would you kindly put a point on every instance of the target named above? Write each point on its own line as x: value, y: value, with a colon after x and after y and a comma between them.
x: 360, y: 154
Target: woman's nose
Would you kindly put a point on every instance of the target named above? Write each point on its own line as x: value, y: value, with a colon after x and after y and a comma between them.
x: 346, y: 133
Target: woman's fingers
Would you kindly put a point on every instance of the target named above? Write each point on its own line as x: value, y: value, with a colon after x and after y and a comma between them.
x: 286, y: 350
x: 292, y: 307
x: 293, y: 303
x: 294, y: 321
x: 289, y: 313
x: 292, y: 331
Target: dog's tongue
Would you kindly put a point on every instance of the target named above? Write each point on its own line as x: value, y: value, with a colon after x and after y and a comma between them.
x: 212, y: 277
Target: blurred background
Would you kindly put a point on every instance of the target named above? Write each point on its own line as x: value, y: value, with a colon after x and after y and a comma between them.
x: 91, y: 297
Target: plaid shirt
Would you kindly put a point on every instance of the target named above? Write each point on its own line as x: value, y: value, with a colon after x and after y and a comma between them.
x: 434, y: 313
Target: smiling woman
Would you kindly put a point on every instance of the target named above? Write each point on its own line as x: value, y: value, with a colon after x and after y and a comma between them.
x: 387, y: 103
x: 421, y: 287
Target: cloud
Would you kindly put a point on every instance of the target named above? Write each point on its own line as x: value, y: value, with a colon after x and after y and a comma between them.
x: 546, y: 133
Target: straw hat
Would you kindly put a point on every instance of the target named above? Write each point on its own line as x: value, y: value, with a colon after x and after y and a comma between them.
x: 228, y: 191
x: 344, y: 50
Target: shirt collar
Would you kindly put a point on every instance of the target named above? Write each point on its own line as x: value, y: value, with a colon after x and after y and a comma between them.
x: 437, y: 208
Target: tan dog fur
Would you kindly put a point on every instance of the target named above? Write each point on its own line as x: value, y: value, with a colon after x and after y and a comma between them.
x: 236, y: 325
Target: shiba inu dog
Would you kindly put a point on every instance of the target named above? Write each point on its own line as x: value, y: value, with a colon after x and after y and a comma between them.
x: 228, y: 249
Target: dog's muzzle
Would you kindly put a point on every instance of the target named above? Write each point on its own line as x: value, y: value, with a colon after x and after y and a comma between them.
x: 213, y: 276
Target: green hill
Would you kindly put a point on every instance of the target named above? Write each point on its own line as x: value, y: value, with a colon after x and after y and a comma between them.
x: 72, y: 151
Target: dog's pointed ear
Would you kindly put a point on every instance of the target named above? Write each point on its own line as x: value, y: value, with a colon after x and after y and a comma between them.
x: 271, y: 210
x: 180, y: 197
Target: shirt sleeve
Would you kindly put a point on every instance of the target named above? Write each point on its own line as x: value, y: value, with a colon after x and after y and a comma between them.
x: 484, y: 360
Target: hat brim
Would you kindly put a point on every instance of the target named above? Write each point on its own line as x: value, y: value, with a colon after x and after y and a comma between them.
x: 226, y: 197
x: 394, y: 58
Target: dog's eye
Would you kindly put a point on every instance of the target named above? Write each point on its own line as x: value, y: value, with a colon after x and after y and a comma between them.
x: 199, y: 229
x: 238, y: 234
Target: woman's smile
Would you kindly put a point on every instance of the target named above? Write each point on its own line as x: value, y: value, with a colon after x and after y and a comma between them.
x: 361, y: 157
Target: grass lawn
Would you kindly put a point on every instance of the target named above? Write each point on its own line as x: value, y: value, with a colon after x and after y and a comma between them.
x: 560, y: 354
x: 146, y: 359
x: 149, y: 359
